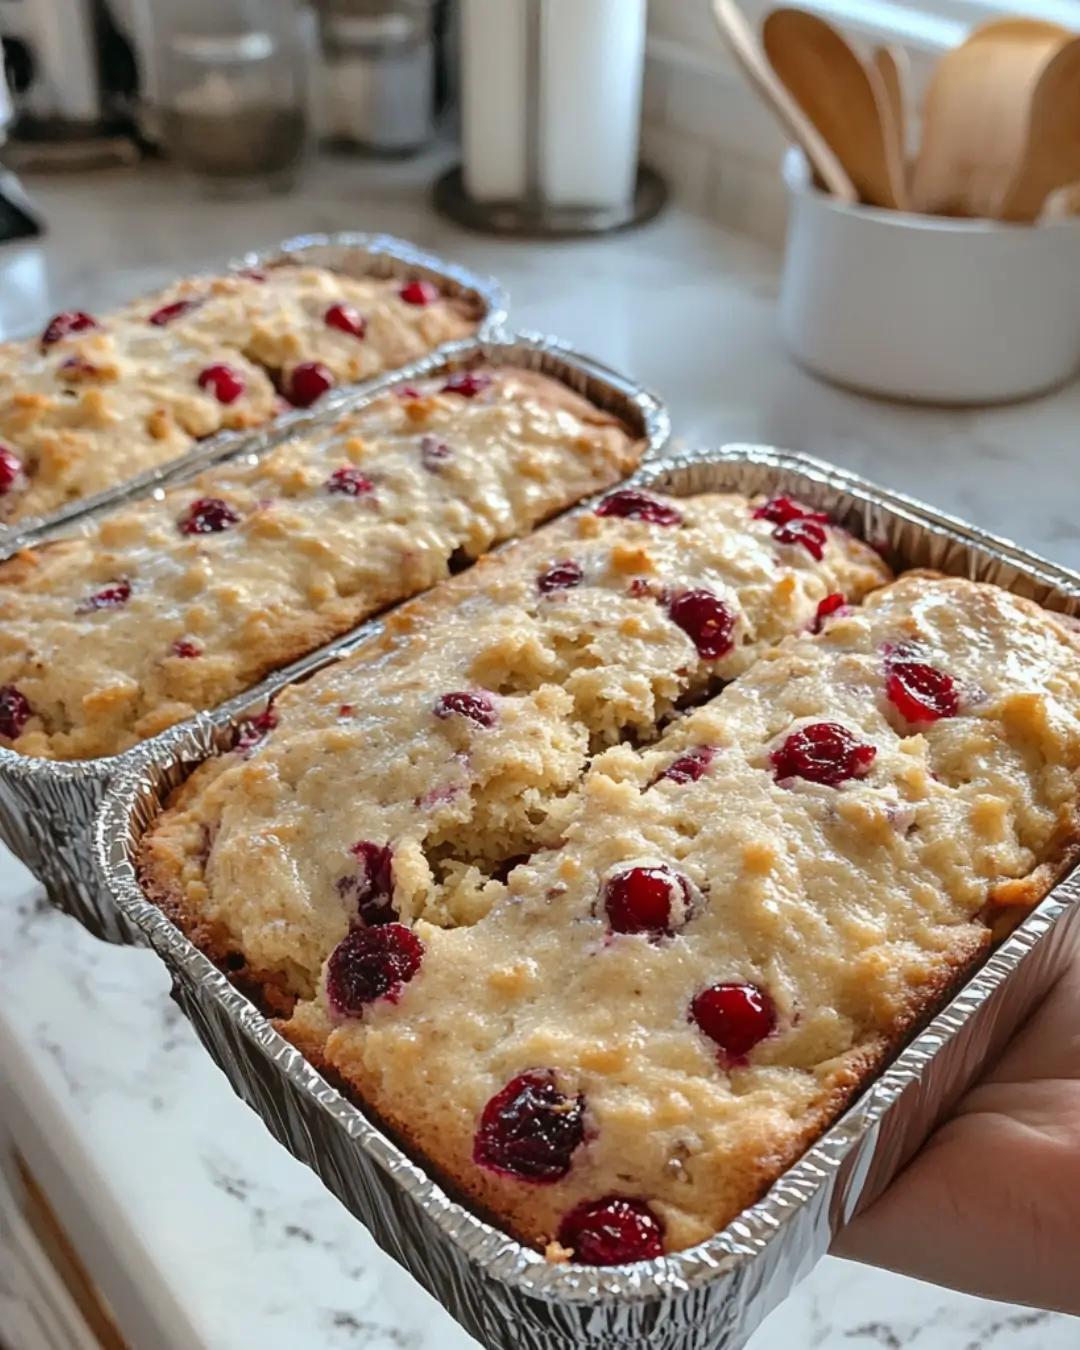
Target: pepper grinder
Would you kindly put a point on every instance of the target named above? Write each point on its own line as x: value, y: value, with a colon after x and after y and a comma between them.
x: 551, y: 104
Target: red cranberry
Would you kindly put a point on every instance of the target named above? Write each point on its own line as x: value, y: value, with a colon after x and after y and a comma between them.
x: 832, y: 604
x: 653, y: 900
x: 736, y: 1016
x: 822, y: 752
x: 112, y: 597
x: 369, y: 964
x: 176, y: 310
x: 639, y: 587
x: 530, y: 1129
x: 690, y: 767
x: 614, y: 1231
x: 15, y: 712
x: 349, y: 482
x: 208, y: 515
x: 477, y: 707
x: 253, y: 274
x: 347, y: 319
x: 921, y: 693
x: 63, y: 325
x: 560, y: 576
x: 434, y: 453
x: 706, y: 620
x: 808, y: 533
x: 420, y: 293
x: 225, y: 381
x: 307, y: 383
x: 467, y: 383
x: 632, y: 504
x: 783, y: 510
x: 11, y: 466
x: 186, y: 648
x: 372, y: 885
x: 254, y: 729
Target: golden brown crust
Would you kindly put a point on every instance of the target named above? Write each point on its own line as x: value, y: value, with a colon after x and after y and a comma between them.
x: 862, y: 909
x: 755, y: 1178
x: 88, y: 410
x: 325, y: 585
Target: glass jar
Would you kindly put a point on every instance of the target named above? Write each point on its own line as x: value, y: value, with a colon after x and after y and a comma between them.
x: 235, y: 105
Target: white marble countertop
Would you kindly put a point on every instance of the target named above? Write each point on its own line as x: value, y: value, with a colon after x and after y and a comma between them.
x: 220, y: 1224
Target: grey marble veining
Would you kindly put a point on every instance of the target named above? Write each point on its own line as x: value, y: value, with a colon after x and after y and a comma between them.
x: 244, y: 1240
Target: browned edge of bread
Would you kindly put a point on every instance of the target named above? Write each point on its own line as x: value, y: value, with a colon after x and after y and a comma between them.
x: 307, y: 631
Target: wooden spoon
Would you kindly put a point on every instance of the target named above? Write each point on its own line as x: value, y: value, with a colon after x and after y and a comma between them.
x: 1051, y: 159
x: 841, y: 96
x: 975, y: 116
x: 894, y: 73
x: 747, y: 52
x: 1016, y: 29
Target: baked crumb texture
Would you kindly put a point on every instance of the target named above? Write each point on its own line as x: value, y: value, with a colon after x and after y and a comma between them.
x: 451, y: 815
x: 164, y: 607
x: 96, y: 399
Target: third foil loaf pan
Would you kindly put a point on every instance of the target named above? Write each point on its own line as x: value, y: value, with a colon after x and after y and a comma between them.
x: 150, y: 610
x: 602, y: 947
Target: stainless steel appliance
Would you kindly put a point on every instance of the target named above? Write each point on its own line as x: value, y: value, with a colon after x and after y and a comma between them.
x: 18, y: 217
x: 73, y: 81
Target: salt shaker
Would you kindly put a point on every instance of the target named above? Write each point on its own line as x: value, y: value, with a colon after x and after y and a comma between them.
x: 551, y: 105
x: 377, y: 83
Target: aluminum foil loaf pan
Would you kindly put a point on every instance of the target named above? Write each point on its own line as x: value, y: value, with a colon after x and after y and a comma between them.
x: 47, y: 806
x: 353, y: 255
x: 712, y: 1296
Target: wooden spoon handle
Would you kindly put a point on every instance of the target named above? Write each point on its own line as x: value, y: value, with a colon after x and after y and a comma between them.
x: 894, y: 72
x: 747, y: 52
x: 891, y: 81
x: 1025, y: 196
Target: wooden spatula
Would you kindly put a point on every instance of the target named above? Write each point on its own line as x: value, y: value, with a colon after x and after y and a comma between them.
x: 975, y: 116
x: 841, y: 96
x: 747, y: 52
x: 894, y: 73
x: 1051, y: 159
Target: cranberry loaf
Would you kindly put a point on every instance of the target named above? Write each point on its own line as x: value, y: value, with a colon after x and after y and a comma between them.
x: 427, y: 810
x: 95, y: 401
x: 177, y: 602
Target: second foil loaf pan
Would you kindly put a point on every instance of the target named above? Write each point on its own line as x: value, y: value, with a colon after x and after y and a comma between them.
x: 46, y: 805
x: 712, y: 1294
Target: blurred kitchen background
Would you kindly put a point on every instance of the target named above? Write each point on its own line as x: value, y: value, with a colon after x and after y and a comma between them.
x: 241, y: 94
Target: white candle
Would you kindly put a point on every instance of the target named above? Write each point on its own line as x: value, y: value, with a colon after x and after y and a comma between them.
x: 493, y: 114
x: 592, y: 59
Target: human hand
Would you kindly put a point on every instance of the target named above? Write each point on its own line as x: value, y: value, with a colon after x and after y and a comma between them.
x: 991, y: 1205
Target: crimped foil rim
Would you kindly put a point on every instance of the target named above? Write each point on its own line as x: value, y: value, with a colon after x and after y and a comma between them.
x: 757, y: 1228
x: 916, y: 512
x: 656, y: 429
x: 488, y: 290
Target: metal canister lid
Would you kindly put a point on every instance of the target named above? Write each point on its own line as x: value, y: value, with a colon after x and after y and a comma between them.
x: 223, y: 48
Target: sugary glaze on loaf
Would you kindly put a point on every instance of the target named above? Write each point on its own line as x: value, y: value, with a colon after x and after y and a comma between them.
x: 85, y: 410
x: 258, y: 859
x: 120, y: 631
